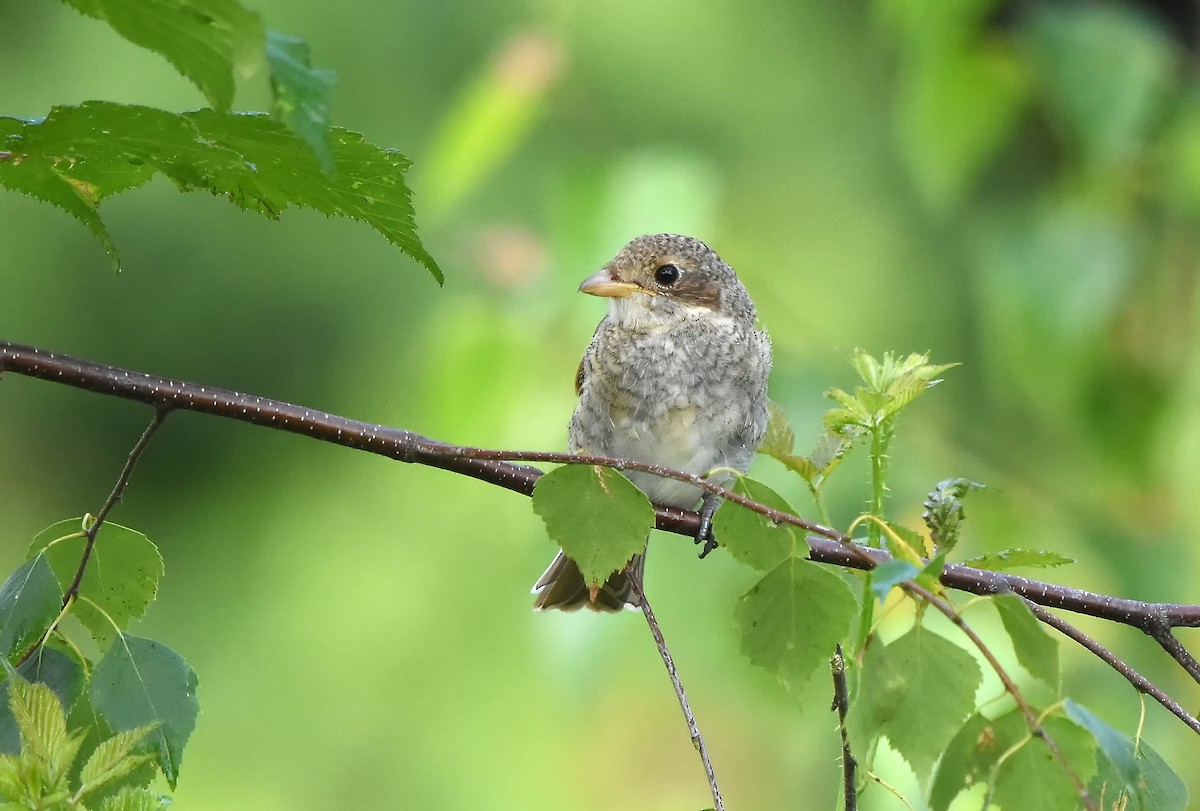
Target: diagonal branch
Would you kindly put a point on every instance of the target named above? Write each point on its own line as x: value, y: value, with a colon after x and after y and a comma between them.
x: 1139, y: 682
x: 660, y: 641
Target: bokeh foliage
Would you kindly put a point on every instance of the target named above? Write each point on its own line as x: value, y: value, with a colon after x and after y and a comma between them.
x: 1011, y: 186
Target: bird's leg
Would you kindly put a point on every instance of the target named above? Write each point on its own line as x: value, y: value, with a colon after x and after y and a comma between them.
x: 704, y: 534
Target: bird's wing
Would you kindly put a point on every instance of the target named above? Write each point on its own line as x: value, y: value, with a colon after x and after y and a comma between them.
x: 580, y: 373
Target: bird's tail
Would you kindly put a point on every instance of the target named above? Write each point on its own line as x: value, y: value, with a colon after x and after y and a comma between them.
x: 563, y: 588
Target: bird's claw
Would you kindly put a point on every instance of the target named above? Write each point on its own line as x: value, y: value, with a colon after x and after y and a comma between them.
x: 704, y: 535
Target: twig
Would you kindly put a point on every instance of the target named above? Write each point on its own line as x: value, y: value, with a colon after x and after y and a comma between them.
x: 1031, y: 718
x: 118, y: 490
x: 669, y: 662
x: 1139, y: 682
x: 1161, y: 633
x: 841, y: 703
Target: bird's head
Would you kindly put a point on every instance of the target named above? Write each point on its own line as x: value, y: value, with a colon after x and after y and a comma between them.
x: 658, y: 279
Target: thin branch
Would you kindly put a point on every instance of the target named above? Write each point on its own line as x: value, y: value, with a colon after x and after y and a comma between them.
x: 697, y: 740
x: 841, y: 703
x: 1139, y: 682
x: 1031, y: 719
x: 1161, y: 634
x: 90, y: 532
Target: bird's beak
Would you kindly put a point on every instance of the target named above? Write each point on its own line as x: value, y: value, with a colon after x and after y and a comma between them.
x: 603, y: 284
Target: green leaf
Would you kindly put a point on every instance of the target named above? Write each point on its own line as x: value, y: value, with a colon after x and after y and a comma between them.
x: 779, y: 440
x: 1033, y: 778
x: 141, y: 682
x: 972, y: 754
x: 1012, y: 558
x: 891, y: 385
x: 791, y: 619
x: 904, y: 544
x: 1118, y: 747
x: 135, y: 798
x: 205, y: 40
x: 753, y: 538
x: 598, y: 517
x: 875, y: 693
x: 53, y: 668
x: 43, y: 729
x: 1036, y: 650
x: 121, y: 576
x: 1108, y: 72
x: 1136, y: 773
x: 936, y: 680
x: 889, y: 573
x: 1160, y: 788
x: 30, y: 599
x: 113, y: 759
x: 944, y: 512
x: 301, y: 92
x: 78, y: 156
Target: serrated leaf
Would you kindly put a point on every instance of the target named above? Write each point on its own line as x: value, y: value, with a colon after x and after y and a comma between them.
x: 205, y: 40
x: 791, y: 619
x: 1033, y: 778
x: 121, y: 577
x: 113, y: 759
x: 135, y: 798
x: 43, y: 729
x: 752, y: 538
x: 302, y: 93
x: 831, y: 449
x: 141, y: 682
x: 49, y: 666
x: 937, y: 681
x: 30, y: 599
x: 78, y: 156
x: 1036, y: 650
x: 779, y: 440
x: 972, y: 754
x: 598, y: 517
x: 944, y: 512
x: 1012, y: 558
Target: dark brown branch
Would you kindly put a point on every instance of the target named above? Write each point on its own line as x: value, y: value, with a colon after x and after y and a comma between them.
x: 697, y: 740
x: 841, y: 704
x: 826, y: 545
x: 1139, y: 682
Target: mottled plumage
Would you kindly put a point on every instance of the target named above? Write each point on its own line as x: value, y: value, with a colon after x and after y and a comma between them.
x: 675, y: 375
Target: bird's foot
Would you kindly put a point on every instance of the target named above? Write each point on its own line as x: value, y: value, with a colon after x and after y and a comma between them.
x: 704, y: 535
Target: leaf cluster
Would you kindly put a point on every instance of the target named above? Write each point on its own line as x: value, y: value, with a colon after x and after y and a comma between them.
x: 131, y: 707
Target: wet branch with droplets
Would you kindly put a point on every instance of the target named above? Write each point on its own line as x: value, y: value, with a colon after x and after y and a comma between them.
x: 497, y: 467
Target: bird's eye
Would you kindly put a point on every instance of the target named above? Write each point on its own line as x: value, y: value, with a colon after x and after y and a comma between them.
x: 667, y: 275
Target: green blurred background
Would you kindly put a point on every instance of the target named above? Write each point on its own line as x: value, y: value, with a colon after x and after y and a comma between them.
x: 1012, y: 186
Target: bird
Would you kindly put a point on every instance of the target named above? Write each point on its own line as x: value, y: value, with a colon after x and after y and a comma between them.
x: 675, y: 375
